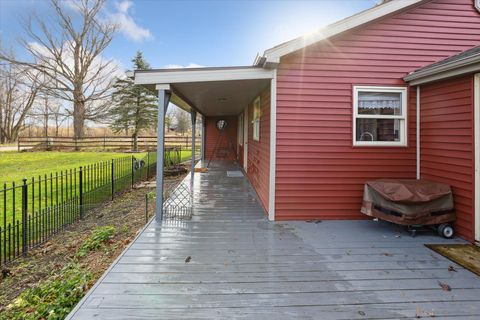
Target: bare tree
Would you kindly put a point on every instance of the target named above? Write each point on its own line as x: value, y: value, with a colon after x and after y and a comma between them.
x: 66, y: 50
x: 40, y: 113
x: 48, y: 110
x: 182, y: 119
x: 19, y: 87
x: 57, y: 115
x: 169, y: 119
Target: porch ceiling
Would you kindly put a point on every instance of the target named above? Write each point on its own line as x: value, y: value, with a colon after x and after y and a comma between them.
x: 219, y: 98
x: 210, y: 91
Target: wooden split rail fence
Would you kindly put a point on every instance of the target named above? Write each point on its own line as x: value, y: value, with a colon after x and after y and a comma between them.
x: 102, y: 143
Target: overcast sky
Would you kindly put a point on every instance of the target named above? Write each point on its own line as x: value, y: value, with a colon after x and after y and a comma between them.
x: 191, y: 33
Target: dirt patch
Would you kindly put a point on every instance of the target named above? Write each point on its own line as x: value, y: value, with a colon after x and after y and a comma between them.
x: 126, y: 213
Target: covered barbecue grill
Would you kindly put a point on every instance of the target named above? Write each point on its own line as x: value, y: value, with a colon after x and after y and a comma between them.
x: 410, y: 203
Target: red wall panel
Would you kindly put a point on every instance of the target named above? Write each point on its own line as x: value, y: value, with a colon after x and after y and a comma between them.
x: 258, y: 164
x: 221, y: 146
x: 447, y: 144
x: 319, y: 174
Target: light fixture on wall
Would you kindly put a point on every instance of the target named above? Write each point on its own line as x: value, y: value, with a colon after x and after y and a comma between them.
x: 221, y: 124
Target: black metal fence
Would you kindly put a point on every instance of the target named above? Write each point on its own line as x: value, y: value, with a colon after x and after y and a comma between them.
x: 41, y: 207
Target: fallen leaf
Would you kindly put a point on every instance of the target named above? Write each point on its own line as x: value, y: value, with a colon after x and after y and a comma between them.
x: 452, y: 268
x: 444, y: 286
x: 418, y: 313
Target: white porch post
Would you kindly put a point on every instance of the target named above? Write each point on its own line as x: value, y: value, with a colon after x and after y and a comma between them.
x: 163, y: 100
x: 273, y: 147
x: 193, y: 115
x: 203, y: 138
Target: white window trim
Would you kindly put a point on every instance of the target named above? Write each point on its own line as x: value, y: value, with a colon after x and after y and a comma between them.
x: 240, y: 129
x: 256, y: 137
x: 403, y: 133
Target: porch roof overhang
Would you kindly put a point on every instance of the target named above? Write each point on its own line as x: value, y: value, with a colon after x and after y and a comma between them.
x: 219, y: 91
x: 461, y: 64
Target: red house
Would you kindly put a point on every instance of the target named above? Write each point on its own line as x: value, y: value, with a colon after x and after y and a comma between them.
x: 391, y: 92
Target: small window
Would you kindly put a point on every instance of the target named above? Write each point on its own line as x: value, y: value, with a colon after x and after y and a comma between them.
x: 256, y: 119
x: 380, y: 115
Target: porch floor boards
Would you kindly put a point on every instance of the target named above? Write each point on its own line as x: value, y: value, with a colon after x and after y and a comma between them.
x: 244, y: 267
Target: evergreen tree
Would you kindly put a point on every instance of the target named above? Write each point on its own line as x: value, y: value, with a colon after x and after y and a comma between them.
x: 135, y: 107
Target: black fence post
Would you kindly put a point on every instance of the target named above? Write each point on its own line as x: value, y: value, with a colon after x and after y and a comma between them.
x: 148, y: 164
x: 146, y: 208
x: 24, y: 217
x: 80, y: 179
x: 113, y: 180
x: 133, y: 171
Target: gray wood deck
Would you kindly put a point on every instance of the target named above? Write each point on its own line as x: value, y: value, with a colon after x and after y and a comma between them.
x: 244, y: 267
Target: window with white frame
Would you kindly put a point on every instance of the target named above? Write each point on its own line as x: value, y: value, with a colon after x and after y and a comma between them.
x: 379, y: 116
x: 256, y: 119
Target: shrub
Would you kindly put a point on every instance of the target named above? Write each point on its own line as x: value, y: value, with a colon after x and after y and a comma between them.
x: 54, y: 298
x: 99, y: 236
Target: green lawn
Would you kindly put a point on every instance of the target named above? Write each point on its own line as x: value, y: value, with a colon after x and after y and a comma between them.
x: 15, y: 166
x: 52, y: 200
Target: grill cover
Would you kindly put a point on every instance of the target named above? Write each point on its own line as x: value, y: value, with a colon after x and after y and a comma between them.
x: 408, y: 202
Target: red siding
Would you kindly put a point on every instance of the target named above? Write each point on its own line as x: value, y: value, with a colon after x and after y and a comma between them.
x: 447, y: 144
x: 226, y: 145
x: 259, y: 151
x: 319, y: 174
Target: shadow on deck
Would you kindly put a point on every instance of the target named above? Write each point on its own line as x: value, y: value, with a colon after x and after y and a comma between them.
x: 244, y: 267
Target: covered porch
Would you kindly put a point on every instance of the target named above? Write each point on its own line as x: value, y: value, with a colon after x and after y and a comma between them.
x: 230, y: 262
x: 231, y: 126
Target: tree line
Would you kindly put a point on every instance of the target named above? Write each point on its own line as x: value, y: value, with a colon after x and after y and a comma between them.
x: 66, y: 77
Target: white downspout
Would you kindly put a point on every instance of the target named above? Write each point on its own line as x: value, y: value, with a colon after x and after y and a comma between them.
x: 476, y: 125
x: 418, y: 132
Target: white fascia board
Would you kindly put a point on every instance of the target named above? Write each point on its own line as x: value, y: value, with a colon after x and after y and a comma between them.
x: 200, y: 75
x: 453, y: 69
x: 273, y: 55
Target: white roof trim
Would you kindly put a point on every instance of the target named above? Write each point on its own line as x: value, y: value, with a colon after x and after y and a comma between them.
x: 447, y: 74
x: 443, y: 71
x: 274, y: 54
x: 146, y: 77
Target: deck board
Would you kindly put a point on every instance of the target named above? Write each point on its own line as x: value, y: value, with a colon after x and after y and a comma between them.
x: 244, y: 267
